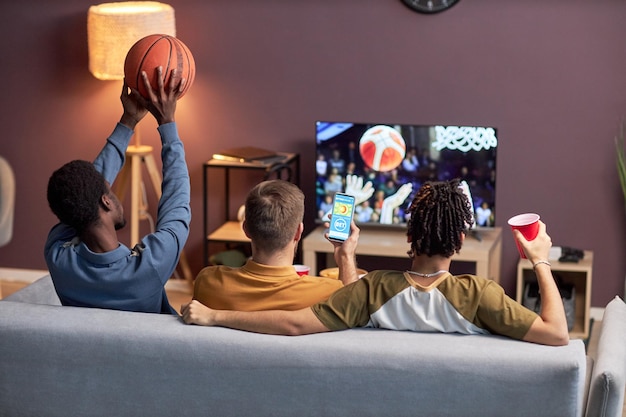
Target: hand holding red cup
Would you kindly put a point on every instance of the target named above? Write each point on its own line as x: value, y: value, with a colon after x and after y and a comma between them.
x: 528, y: 225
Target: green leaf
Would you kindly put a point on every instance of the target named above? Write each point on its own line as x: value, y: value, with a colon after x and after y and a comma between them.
x: 620, y: 146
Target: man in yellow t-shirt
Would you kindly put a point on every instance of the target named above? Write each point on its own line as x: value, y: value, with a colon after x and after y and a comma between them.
x: 274, y: 211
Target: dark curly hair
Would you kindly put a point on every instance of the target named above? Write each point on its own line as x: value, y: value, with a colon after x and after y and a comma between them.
x: 439, y: 213
x: 74, y: 193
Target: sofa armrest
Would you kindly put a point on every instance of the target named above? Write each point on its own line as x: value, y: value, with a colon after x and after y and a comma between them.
x: 608, y: 379
x: 39, y: 292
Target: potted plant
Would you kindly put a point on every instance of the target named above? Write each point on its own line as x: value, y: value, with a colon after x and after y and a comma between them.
x: 620, y: 145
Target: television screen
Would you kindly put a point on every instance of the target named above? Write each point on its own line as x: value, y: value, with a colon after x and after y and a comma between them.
x: 383, y: 166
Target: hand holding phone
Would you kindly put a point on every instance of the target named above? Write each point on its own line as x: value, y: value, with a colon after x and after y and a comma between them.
x: 343, y: 210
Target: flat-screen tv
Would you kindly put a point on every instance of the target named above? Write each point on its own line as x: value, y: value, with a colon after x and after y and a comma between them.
x: 384, y: 165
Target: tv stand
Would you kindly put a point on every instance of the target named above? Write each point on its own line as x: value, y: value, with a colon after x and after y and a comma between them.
x: 485, y: 253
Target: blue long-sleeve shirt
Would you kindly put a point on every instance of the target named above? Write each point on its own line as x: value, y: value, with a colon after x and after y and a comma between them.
x: 124, y: 278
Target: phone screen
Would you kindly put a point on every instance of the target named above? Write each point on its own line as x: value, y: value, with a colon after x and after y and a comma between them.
x: 343, y: 209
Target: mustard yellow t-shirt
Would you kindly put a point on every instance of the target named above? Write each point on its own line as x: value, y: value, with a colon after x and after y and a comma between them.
x: 255, y: 287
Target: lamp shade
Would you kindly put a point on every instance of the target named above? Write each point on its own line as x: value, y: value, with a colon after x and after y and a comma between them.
x: 112, y: 28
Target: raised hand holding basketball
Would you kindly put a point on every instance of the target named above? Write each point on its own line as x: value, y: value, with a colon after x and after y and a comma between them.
x: 134, y: 106
x: 162, y: 103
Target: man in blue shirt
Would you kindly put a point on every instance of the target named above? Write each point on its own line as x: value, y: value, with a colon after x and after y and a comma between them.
x: 88, y: 265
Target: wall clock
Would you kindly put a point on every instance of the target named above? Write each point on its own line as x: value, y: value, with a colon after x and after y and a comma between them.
x: 429, y: 6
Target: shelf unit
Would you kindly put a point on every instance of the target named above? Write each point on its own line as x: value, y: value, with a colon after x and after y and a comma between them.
x: 285, y: 166
x: 577, y: 273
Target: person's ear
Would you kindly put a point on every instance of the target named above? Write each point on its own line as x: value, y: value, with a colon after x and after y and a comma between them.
x: 299, y: 232
x: 105, y: 202
x: 245, y: 229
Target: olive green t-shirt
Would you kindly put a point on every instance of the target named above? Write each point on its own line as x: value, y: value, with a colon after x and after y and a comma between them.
x: 452, y: 304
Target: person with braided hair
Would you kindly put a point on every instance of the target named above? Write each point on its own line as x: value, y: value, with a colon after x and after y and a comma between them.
x: 424, y: 298
x: 440, y: 215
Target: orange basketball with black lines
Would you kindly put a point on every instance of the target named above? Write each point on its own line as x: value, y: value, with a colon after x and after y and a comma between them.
x: 153, y: 51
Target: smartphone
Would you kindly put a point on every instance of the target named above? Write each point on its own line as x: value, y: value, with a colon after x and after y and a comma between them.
x: 343, y: 210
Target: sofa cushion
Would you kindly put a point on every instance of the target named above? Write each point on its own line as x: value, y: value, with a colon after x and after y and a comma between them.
x: 608, y: 379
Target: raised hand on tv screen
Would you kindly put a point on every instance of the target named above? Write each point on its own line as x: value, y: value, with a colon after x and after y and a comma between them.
x: 355, y: 187
x: 393, y: 201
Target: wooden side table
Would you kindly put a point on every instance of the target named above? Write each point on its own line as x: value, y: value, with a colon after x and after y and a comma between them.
x: 577, y: 273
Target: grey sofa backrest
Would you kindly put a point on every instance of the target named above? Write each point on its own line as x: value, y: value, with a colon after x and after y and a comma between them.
x: 39, y: 292
x: 96, y: 362
x: 608, y: 379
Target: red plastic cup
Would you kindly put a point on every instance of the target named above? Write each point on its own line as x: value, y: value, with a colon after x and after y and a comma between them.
x: 302, y: 269
x: 528, y: 224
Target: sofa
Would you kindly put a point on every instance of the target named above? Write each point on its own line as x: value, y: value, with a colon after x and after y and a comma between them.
x: 72, y: 361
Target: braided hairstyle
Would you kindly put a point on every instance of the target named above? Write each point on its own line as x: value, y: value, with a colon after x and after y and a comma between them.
x: 439, y: 214
x: 74, y: 193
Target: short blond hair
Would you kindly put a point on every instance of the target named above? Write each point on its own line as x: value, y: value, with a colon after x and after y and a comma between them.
x: 274, y: 210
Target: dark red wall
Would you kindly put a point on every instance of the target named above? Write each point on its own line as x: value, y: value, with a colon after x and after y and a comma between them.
x: 550, y: 75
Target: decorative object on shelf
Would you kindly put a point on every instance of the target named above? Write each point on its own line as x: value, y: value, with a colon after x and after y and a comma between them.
x: 571, y: 254
x: 429, y: 6
x: 248, y: 154
x: 112, y: 28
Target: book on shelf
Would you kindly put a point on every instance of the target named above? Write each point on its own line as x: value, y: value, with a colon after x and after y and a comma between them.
x: 248, y: 154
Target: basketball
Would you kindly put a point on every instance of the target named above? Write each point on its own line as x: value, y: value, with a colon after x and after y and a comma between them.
x: 153, y: 51
x: 382, y: 148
